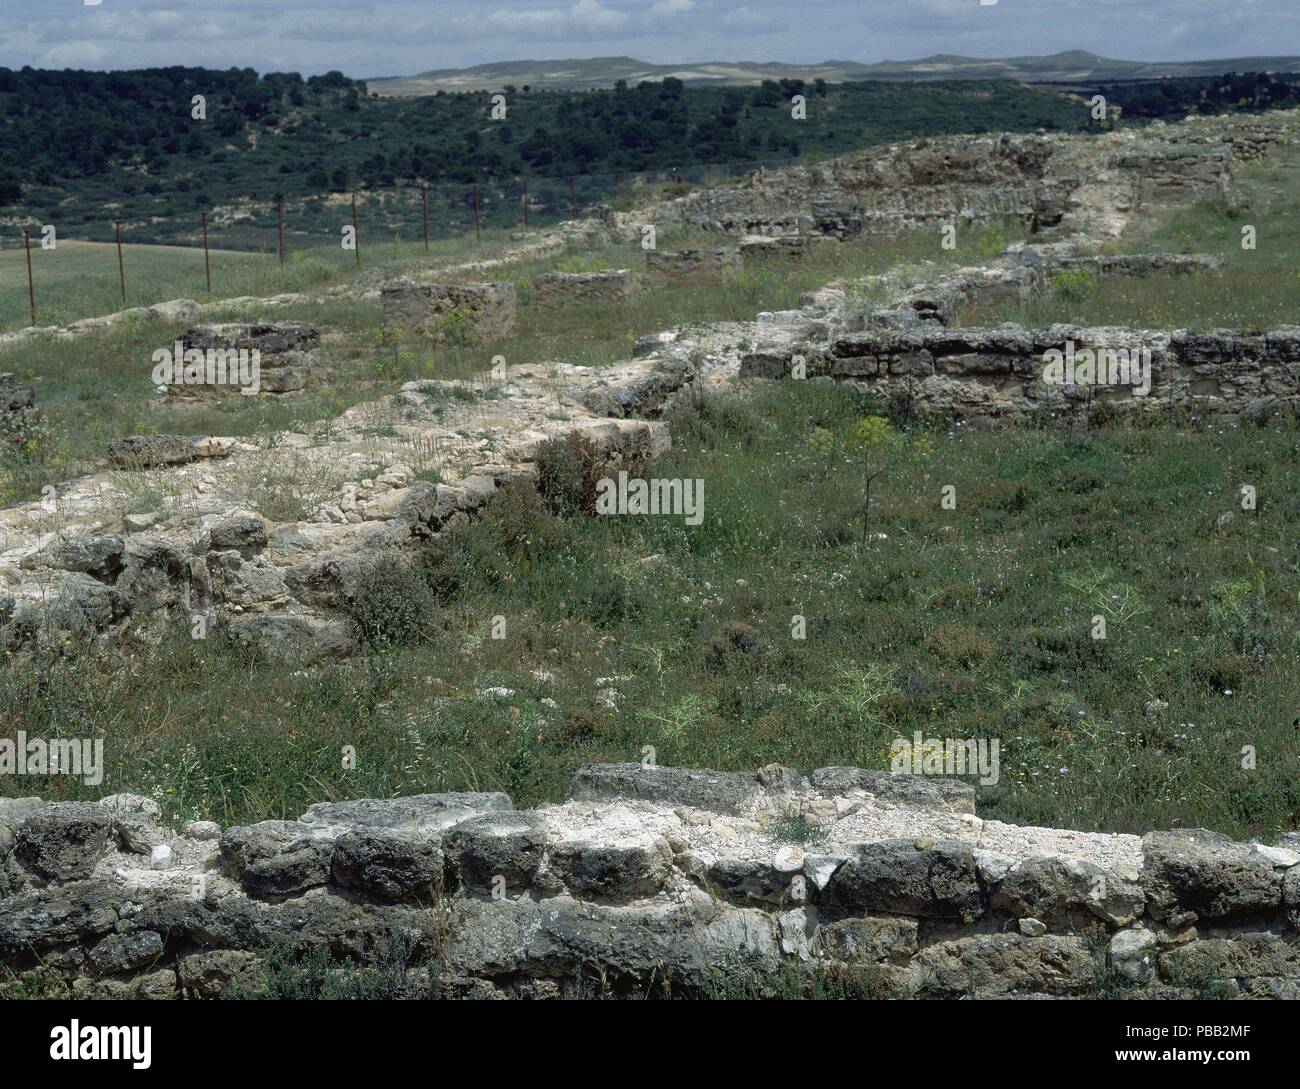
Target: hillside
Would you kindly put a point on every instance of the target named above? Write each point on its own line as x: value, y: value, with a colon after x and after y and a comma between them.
x: 603, y: 72
x: 82, y: 149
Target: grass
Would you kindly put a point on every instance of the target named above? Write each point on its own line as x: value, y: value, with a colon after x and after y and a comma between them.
x: 976, y: 622
x: 1258, y: 289
x: 79, y: 279
x: 97, y: 388
x: 968, y: 623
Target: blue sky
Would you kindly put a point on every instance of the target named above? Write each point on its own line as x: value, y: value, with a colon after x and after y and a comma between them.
x: 402, y: 37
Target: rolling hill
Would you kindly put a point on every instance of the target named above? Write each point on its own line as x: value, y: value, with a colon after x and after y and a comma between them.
x: 603, y: 72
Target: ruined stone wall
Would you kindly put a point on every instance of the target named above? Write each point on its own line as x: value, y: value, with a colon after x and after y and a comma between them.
x: 720, y: 262
x: 1000, y: 372
x: 288, y: 358
x: 912, y: 350
x: 1087, y: 184
x: 645, y: 875
x: 478, y: 313
x: 562, y: 288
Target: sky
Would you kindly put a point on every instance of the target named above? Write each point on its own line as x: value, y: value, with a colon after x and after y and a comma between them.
x: 405, y: 37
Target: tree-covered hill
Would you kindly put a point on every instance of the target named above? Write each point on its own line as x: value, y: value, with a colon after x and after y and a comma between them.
x: 82, y: 149
x: 75, y: 144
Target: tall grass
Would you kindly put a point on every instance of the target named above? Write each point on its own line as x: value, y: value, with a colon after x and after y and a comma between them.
x: 974, y: 622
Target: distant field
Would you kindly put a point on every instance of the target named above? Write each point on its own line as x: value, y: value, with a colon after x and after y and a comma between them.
x: 582, y: 75
x: 80, y: 279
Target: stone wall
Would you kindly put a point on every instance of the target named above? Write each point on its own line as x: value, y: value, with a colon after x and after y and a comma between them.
x: 1000, y: 372
x: 759, y: 249
x: 1088, y: 184
x: 476, y: 313
x: 719, y: 882
x: 289, y: 358
x: 562, y: 288
x: 708, y: 263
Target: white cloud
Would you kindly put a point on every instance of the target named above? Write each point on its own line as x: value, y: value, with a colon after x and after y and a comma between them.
x: 74, y: 55
x: 396, y: 37
x: 671, y: 7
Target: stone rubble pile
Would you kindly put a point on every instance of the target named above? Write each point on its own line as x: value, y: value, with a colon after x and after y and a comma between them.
x: 17, y: 407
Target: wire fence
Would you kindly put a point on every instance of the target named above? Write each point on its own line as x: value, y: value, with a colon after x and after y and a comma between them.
x: 334, y: 229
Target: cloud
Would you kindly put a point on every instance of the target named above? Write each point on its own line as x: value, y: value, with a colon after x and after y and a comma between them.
x: 74, y: 55
x: 398, y: 37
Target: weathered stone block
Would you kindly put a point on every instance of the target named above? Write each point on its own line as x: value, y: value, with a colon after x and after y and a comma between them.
x: 394, y: 865
x: 451, y: 313
x: 897, y: 876
x: 620, y: 870
x: 1206, y: 873
x: 710, y: 263
x: 64, y: 840
x: 509, y: 846
x: 212, y: 974
x: 1245, y: 957
x: 277, y: 858
x: 122, y: 952
x: 870, y: 939
x: 1052, y: 888
x: 993, y: 964
x: 562, y: 288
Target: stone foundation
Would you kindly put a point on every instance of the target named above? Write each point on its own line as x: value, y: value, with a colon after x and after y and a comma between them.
x: 713, y: 263
x: 470, y: 313
x: 288, y: 355
x: 759, y: 250
x: 1000, y: 372
x: 645, y: 875
x: 562, y: 288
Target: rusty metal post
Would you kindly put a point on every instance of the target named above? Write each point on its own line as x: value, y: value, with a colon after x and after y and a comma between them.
x: 356, y: 237
x: 424, y: 203
x: 207, y: 264
x: 121, y: 269
x: 31, y: 291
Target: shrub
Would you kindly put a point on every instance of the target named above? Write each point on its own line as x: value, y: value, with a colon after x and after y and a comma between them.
x: 511, y: 536
x: 733, y: 640
x: 568, y: 470
x: 391, y: 604
x: 1074, y: 285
